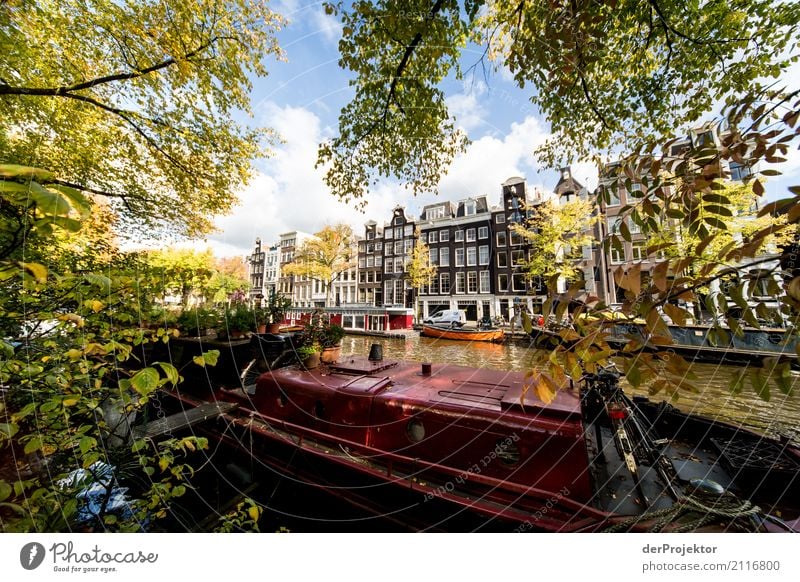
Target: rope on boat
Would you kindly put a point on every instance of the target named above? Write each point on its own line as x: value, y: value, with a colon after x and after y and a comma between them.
x: 739, y: 513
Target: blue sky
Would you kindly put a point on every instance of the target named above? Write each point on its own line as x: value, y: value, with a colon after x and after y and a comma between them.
x: 301, y: 99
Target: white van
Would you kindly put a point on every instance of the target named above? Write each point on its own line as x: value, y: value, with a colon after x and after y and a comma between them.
x: 452, y: 317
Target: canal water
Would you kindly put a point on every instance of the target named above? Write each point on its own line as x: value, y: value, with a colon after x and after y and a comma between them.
x: 779, y: 416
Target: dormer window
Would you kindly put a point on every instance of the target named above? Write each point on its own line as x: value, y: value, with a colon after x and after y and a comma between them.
x: 469, y: 208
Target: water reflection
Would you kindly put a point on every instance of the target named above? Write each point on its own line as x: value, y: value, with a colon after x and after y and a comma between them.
x: 779, y: 416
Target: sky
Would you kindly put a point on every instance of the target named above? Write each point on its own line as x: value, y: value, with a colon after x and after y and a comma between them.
x: 301, y: 99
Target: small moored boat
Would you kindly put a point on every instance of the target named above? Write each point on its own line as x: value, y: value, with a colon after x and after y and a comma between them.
x: 470, y: 334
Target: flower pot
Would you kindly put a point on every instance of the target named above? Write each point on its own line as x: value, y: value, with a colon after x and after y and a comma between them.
x: 330, y: 355
x: 274, y: 328
x: 262, y: 328
x: 311, y: 361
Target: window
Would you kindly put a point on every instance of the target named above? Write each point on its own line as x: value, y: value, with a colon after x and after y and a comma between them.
x: 434, y: 237
x: 434, y: 256
x: 460, y: 283
x: 502, y: 282
x: 516, y: 238
x: 378, y: 246
x: 397, y: 221
x: 389, y: 266
x: 470, y: 235
x: 388, y: 233
x: 633, y: 227
x: 423, y: 237
x: 518, y: 283
x: 408, y: 245
x: 459, y: 257
x: 617, y: 255
x: 471, y: 257
x: 499, y: 218
x: 444, y: 281
x: 472, y: 282
x: 370, y: 247
x: 502, y: 259
x: 469, y: 207
x: 369, y: 277
x: 398, y: 265
x: 639, y: 251
x: 613, y: 225
x: 484, y: 282
x: 444, y: 235
x: 370, y: 261
x: 444, y: 257
x: 483, y: 254
x: 378, y: 261
x: 740, y: 171
x: 483, y: 232
x: 459, y: 236
x: 435, y: 286
x: 409, y: 230
x: 370, y: 234
x: 517, y: 258
x: 501, y: 239
x: 613, y: 197
x: 435, y: 212
x: 362, y: 262
x: 398, y: 247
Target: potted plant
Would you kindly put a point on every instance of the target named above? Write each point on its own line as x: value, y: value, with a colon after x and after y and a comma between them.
x: 330, y: 338
x: 239, y: 320
x: 276, y: 308
x: 308, y: 356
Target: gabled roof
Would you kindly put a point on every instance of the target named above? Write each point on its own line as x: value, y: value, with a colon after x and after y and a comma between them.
x: 567, y: 184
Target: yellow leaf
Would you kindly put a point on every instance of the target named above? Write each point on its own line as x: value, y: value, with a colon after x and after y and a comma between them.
x: 253, y: 512
x: 163, y: 463
x: 546, y: 389
x: 38, y: 271
x: 70, y: 401
x: 74, y: 354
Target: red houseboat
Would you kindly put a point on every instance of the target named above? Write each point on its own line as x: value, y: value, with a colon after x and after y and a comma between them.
x: 482, y: 443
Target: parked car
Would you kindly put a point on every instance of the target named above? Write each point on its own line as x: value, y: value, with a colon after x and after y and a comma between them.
x: 451, y: 317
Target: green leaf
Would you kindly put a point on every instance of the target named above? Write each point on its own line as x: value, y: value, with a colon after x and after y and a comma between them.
x: 760, y: 383
x: 8, y: 430
x: 17, y: 171
x: 5, y: 490
x: 33, y: 445
x: 170, y: 371
x: 736, y: 383
x: 49, y: 203
x: 208, y: 358
x: 145, y: 381
x: 101, y: 281
x: 86, y: 444
x: 634, y: 375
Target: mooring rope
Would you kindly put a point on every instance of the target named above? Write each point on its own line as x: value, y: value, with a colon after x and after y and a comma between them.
x: 728, y: 507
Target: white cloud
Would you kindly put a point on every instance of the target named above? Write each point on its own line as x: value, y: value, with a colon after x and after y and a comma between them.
x: 586, y: 174
x: 467, y: 110
x: 490, y: 160
x: 327, y: 24
x: 289, y: 192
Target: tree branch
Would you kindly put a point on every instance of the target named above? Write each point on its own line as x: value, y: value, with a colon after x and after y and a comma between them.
x: 65, y: 89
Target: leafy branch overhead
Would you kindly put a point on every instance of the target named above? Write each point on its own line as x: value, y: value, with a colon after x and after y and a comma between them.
x: 605, y: 75
x: 136, y: 101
